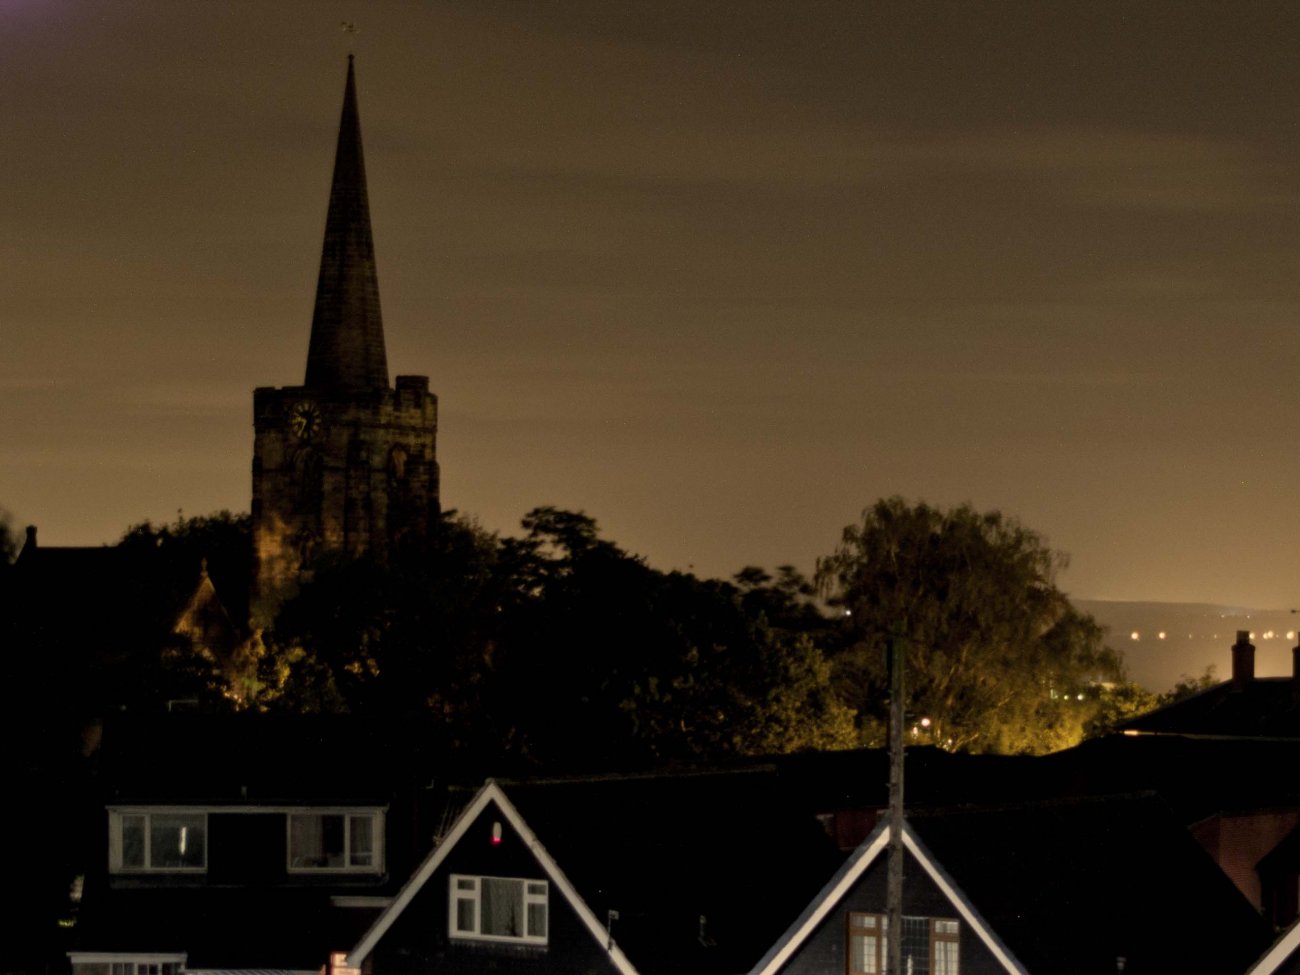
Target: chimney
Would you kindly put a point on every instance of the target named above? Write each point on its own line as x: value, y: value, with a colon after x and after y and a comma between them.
x: 1295, y: 664
x: 1243, y: 659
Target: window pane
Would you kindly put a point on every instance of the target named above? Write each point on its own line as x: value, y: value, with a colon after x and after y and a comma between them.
x: 315, y: 840
x: 465, y: 916
x: 945, y: 958
x: 363, y: 840
x: 537, y: 920
x: 502, y: 907
x: 132, y: 843
x: 866, y: 954
x: 176, y: 840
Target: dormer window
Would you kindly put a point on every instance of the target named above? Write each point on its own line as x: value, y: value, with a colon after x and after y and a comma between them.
x: 346, y: 841
x: 498, y: 909
x: 158, y: 840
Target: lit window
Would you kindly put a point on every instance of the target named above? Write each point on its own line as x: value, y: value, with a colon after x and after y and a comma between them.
x: 867, y: 943
x: 157, y: 840
x: 498, y: 909
x: 335, y: 841
x: 931, y: 946
x: 945, y: 944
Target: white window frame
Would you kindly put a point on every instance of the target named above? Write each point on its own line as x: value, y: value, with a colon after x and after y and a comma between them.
x: 376, y: 817
x: 116, y: 818
x: 125, y: 963
x: 472, y: 893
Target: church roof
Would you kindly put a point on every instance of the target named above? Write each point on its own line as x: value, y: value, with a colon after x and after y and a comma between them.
x: 347, y: 330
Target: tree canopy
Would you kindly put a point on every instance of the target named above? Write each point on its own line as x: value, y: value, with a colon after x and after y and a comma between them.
x: 559, y: 647
x: 997, y: 659
x: 9, y: 544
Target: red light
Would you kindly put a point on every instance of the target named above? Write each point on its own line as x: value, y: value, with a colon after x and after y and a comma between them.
x: 496, y: 834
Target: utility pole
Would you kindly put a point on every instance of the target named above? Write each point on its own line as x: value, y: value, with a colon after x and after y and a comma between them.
x: 894, y: 893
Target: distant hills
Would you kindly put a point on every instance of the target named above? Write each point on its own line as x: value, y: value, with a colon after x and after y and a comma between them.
x: 1173, y: 639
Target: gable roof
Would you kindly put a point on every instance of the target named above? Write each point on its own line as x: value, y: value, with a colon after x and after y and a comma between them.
x: 1196, y: 776
x: 1285, y: 948
x: 874, y: 848
x: 703, y: 868
x: 699, y: 868
x: 489, y: 794
x: 1265, y: 708
x: 1244, y: 706
x: 1072, y: 885
x: 1066, y: 887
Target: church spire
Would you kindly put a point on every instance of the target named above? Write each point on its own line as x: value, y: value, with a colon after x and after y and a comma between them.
x: 347, y: 330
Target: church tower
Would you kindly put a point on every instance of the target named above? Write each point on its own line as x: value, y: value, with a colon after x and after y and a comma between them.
x: 343, y: 464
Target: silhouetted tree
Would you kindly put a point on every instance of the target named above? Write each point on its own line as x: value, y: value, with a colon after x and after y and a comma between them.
x: 558, y: 647
x: 414, y: 634
x: 997, y: 658
x: 1189, y: 686
x: 641, y: 664
x: 9, y: 540
x: 175, y: 552
x: 1119, y: 702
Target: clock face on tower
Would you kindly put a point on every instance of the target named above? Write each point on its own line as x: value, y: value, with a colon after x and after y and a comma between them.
x: 305, y: 420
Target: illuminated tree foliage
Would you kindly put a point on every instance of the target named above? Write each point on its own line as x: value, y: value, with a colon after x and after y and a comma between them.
x: 558, y: 647
x: 997, y: 658
x: 166, y: 562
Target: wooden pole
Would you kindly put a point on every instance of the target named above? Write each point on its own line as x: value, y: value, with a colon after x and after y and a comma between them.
x: 894, y: 892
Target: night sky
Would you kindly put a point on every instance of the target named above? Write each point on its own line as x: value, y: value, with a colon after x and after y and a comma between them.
x: 719, y: 274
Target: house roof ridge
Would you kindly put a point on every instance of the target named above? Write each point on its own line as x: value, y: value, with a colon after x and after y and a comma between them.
x: 1010, y: 805
x: 649, y: 775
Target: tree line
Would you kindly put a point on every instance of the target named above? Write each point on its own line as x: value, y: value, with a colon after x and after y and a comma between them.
x: 558, y: 647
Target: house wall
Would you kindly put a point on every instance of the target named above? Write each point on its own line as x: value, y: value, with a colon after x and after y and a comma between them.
x: 418, y: 941
x: 250, y: 850
x: 1239, y: 842
x: 825, y: 952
